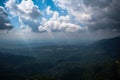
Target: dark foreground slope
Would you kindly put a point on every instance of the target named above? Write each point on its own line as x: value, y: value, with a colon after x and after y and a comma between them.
x: 97, y: 61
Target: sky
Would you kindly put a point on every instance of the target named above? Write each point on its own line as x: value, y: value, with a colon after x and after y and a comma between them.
x: 67, y: 20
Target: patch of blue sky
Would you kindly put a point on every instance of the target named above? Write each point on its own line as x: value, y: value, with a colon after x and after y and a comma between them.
x: 2, y: 2
x: 14, y: 21
x: 42, y: 6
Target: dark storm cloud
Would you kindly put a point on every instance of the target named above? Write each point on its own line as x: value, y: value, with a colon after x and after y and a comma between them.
x: 106, y: 14
x: 4, y: 23
x: 97, y: 3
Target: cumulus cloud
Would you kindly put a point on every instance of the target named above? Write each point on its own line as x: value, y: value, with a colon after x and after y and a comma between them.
x: 29, y: 15
x: 4, y: 23
x: 27, y: 12
x: 96, y: 14
x: 59, y: 23
x: 81, y: 16
x: 76, y: 8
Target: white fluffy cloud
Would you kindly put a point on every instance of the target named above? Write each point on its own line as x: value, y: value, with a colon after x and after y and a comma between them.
x: 28, y: 13
x: 76, y: 8
x: 59, y: 23
x: 30, y: 16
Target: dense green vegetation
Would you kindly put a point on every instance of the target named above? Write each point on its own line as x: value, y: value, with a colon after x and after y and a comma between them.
x: 96, y: 61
